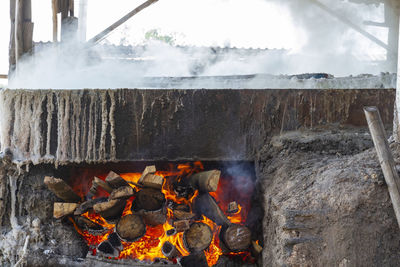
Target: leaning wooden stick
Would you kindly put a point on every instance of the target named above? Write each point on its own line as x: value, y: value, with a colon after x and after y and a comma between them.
x: 385, y: 157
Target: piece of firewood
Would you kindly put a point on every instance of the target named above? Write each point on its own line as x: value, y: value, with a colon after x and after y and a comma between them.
x: 130, y: 228
x: 63, y: 209
x: 154, y: 217
x: 153, y: 181
x: 198, y: 237
x: 111, y: 209
x: 115, y: 181
x: 206, y: 205
x: 148, y: 199
x: 61, y: 189
x: 105, y: 249
x: 114, y: 240
x: 88, y: 225
x: 169, y: 250
x: 233, y: 207
x: 181, y: 225
x: 236, y: 237
x: 148, y: 170
x: 256, y: 249
x: 122, y: 193
x: 183, y: 215
x: 88, y: 205
x: 98, y: 182
x: 206, y: 181
x: 197, y: 259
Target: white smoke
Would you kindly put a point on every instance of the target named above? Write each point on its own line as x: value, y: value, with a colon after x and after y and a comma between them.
x: 330, y: 46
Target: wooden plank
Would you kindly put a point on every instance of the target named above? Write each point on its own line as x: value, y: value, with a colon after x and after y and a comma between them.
x: 3, y: 76
x: 100, y: 36
x: 27, y: 10
x: 385, y: 157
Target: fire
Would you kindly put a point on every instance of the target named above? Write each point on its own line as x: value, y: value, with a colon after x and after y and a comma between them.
x: 148, y: 247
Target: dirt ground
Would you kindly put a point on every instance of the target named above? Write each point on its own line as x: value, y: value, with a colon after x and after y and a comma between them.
x: 326, y: 201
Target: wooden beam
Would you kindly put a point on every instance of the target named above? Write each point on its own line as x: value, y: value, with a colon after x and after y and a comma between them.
x: 18, y: 31
x: 118, y: 23
x: 385, y: 157
x: 352, y: 25
x: 82, y: 25
x: 3, y: 76
x: 54, y: 6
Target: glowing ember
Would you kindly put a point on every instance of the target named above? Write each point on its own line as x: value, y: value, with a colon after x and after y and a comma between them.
x: 148, y: 247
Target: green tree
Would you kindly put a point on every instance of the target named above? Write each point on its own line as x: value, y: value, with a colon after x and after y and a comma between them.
x: 154, y: 34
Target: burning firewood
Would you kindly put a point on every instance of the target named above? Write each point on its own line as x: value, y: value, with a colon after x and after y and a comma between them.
x: 198, y: 237
x: 111, y: 209
x: 206, y: 205
x: 197, y: 259
x: 151, y: 204
x: 181, y: 225
x: 105, y: 249
x: 115, y: 241
x: 98, y: 182
x: 86, y: 224
x: 183, y: 215
x: 149, y: 199
x: 169, y: 250
x: 63, y: 209
x: 236, y: 237
x: 148, y: 170
x: 122, y: 193
x: 115, y: 181
x: 256, y: 249
x: 233, y: 207
x: 88, y: 205
x: 206, y: 181
x: 130, y: 228
x: 153, y: 181
x: 61, y: 189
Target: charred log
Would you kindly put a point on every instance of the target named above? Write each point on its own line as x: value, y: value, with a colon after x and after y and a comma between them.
x: 111, y: 209
x: 124, y: 192
x: 131, y: 228
x: 181, y: 225
x: 197, y: 259
x: 115, y: 181
x: 100, y: 183
x: 183, y: 215
x: 233, y: 207
x: 107, y: 250
x: 61, y: 189
x: 236, y: 237
x: 206, y: 181
x: 88, y: 205
x: 63, y: 209
x: 169, y: 250
x: 154, y: 217
x: 149, y: 199
x: 198, y: 237
x: 115, y: 241
x: 206, y: 205
x: 88, y: 225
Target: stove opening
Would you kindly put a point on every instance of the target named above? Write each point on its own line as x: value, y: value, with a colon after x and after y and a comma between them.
x: 202, y: 213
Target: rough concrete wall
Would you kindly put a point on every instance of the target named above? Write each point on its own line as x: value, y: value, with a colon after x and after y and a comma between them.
x: 64, y: 126
x: 323, y: 208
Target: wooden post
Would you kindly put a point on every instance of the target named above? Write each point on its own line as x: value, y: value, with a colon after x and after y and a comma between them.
x: 396, y: 123
x: 118, y: 23
x: 18, y: 35
x: 385, y: 157
x: 54, y: 6
x: 82, y: 20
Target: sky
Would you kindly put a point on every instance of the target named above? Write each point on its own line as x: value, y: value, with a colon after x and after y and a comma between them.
x: 250, y: 23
